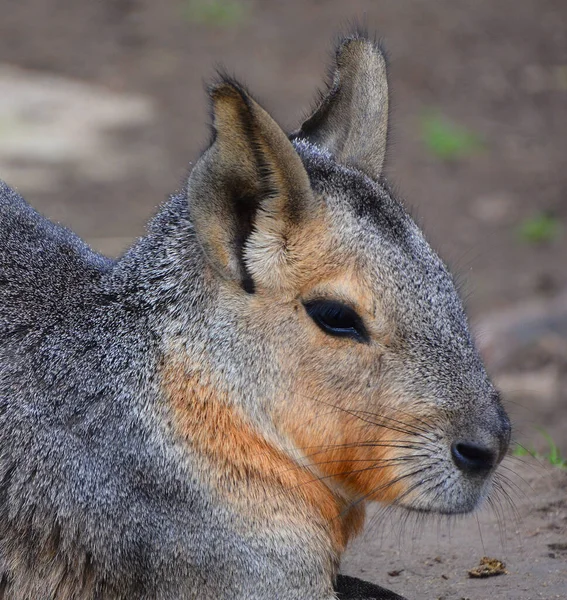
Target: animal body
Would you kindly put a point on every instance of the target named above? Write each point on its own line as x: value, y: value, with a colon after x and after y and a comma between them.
x: 207, y: 416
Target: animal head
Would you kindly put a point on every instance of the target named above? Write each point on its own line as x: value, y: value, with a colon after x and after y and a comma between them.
x: 357, y: 346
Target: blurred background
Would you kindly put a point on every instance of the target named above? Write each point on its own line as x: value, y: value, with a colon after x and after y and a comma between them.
x: 103, y: 110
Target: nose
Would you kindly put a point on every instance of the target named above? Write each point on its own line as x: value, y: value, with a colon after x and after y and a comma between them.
x: 471, y: 457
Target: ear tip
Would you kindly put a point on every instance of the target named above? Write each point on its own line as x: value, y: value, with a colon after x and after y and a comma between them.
x: 228, y: 102
x: 360, y: 40
x: 226, y: 87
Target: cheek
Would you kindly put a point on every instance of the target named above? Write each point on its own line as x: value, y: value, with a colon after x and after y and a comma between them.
x: 333, y: 367
x: 334, y: 420
x: 327, y: 399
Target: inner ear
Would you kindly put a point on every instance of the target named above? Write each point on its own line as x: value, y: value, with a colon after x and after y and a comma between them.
x: 351, y: 121
x: 250, y: 178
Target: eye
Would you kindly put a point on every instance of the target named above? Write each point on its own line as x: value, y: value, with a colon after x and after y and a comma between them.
x: 337, y: 319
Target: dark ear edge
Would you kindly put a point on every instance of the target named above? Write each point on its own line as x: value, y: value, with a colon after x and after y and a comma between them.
x: 351, y: 117
x: 250, y: 167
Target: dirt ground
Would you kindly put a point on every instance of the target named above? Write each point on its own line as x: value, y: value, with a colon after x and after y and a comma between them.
x: 125, y: 79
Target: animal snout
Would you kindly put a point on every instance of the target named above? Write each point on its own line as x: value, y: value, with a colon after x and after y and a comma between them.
x: 472, y: 457
x: 482, y: 452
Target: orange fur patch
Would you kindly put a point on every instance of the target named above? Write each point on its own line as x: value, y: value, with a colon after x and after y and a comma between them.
x: 246, y: 467
x: 344, y: 445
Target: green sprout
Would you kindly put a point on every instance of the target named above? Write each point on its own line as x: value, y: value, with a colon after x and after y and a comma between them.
x: 552, y: 455
x: 540, y: 228
x: 214, y: 12
x: 447, y: 140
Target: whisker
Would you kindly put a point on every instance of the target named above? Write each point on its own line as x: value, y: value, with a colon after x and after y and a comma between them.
x: 516, y: 517
x: 385, y: 486
x: 413, y: 416
x: 512, y: 482
x: 480, y: 533
x: 325, y: 477
x: 394, y: 460
x: 407, y: 428
x: 501, y: 492
x: 500, y: 481
x: 417, y: 429
x: 403, y: 515
x: 397, y: 445
x: 500, y: 520
x: 526, y: 463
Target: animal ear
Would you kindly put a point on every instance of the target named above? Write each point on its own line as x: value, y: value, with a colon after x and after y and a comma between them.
x: 250, y: 179
x: 351, y: 120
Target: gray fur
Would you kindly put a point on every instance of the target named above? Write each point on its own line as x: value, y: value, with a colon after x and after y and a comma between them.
x: 357, y: 96
x: 86, y: 465
x: 98, y: 496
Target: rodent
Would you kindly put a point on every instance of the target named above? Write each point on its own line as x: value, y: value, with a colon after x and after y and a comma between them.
x: 207, y: 416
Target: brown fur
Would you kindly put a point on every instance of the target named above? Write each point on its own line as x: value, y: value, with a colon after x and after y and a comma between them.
x: 344, y: 445
x: 238, y: 455
x: 318, y: 418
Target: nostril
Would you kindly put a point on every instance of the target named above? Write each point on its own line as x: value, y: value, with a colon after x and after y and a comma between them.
x: 472, y: 457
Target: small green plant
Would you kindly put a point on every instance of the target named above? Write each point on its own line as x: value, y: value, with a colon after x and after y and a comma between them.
x: 552, y: 455
x: 447, y: 140
x: 539, y: 229
x: 214, y: 12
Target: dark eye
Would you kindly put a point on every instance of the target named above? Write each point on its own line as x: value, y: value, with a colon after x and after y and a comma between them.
x: 337, y: 319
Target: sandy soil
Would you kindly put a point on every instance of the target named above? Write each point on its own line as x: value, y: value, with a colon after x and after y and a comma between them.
x: 497, y: 69
x: 430, y: 559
